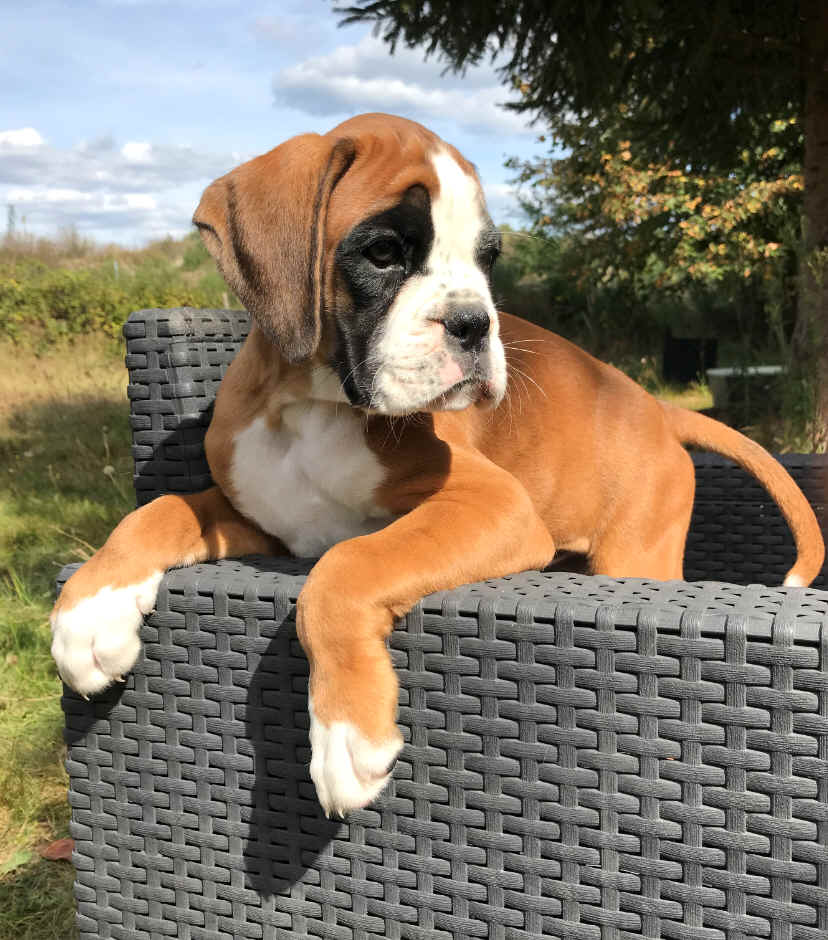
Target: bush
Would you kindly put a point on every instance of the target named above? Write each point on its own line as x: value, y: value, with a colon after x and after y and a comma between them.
x: 39, y: 300
x: 195, y: 254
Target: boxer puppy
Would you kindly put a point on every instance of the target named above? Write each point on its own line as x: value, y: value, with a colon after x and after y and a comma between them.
x: 384, y: 417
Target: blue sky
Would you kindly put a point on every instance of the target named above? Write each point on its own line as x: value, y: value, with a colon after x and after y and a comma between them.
x: 115, y: 114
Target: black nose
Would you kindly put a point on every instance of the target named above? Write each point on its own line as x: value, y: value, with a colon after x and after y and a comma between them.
x: 469, y: 325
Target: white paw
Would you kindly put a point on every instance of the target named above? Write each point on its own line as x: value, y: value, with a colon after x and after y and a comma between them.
x: 348, y: 771
x: 95, y: 642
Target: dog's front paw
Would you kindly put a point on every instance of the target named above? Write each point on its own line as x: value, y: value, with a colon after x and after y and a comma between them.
x: 348, y: 770
x: 95, y: 637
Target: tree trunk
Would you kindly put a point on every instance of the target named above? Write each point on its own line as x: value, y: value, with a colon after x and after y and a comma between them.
x: 811, y: 335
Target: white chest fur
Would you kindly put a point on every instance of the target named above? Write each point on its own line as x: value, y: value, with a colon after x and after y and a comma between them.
x: 311, y: 482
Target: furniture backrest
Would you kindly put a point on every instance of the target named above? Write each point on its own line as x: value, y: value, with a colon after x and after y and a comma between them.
x: 177, y: 358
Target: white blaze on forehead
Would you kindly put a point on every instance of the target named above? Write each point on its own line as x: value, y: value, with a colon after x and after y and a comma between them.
x: 457, y: 216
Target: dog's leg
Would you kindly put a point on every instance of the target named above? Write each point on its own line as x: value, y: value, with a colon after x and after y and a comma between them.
x: 646, y: 537
x: 480, y: 524
x: 96, y: 619
x: 661, y: 559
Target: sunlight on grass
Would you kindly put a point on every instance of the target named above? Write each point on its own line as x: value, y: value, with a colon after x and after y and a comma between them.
x: 696, y: 396
x: 65, y: 481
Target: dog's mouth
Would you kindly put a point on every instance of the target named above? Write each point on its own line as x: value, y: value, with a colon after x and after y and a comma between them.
x: 470, y: 390
x: 439, y: 381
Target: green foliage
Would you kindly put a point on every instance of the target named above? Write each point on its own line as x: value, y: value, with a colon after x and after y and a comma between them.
x: 674, y: 193
x: 700, y: 254
x: 195, y: 254
x: 51, y: 299
x: 691, y: 80
x: 532, y: 279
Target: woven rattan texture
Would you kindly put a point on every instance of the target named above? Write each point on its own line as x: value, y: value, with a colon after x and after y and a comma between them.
x: 176, y: 358
x: 585, y: 758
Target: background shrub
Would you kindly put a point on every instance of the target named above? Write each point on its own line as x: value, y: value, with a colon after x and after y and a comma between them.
x: 46, y: 292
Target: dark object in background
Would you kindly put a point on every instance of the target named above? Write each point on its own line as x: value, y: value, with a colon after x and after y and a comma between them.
x: 686, y: 359
x: 744, y: 395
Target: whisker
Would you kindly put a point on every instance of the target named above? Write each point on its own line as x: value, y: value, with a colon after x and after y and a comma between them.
x: 530, y: 379
x: 352, y: 371
x: 508, y: 399
x: 517, y: 376
x: 520, y: 349
x: 372, y: 389
x: 526, y: 339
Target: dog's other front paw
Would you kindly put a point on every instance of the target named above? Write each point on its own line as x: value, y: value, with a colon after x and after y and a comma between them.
x: 95, y: 637
x: 348, y: 770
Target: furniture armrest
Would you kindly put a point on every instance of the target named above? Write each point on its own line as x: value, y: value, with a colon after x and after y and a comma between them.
x: 583, y: 756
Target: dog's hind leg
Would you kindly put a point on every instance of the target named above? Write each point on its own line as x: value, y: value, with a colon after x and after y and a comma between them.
x: 96, y: 619
x: 629, y: 557
x: 646, y: 536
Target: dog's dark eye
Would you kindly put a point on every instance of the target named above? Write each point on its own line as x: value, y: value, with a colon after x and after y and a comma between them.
x: 384, y: 253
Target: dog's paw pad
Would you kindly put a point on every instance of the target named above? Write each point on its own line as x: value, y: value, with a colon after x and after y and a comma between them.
x: 95, y: 641
x: 347, y: 769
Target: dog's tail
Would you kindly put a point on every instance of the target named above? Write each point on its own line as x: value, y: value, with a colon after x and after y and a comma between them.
x: 700, y: 431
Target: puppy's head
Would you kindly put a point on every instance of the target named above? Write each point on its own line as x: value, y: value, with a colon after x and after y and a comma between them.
x: 371, y: 249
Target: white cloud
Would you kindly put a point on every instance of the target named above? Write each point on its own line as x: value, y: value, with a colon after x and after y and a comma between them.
x: 46, y: 194
x: 370, y: 58
x: 365, y: 77
x: 103, y: 202
x: 137, y: 151
x: 23, y: 138
x: 103, y: 143
x: 136, y: 166
x: 136, y: 191
x: 140, y: 201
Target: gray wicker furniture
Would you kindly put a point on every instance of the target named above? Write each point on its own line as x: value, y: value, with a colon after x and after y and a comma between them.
x: 585, y: 757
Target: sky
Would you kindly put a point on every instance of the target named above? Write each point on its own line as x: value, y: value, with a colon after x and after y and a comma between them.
x: 115, y: 114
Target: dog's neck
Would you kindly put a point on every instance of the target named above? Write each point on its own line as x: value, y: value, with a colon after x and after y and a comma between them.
x: 325, y: 384
x: 286, y: 382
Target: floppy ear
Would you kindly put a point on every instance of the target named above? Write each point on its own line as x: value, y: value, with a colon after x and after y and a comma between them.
x: 264, y: 223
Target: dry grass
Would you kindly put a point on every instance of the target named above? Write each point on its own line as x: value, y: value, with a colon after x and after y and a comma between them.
x: 87, y: 368
x: 70, y: 246
x: 65, y: 481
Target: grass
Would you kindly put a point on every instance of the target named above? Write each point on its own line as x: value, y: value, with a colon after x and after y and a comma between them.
x: 696, y: 396
x: 65, y: 480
